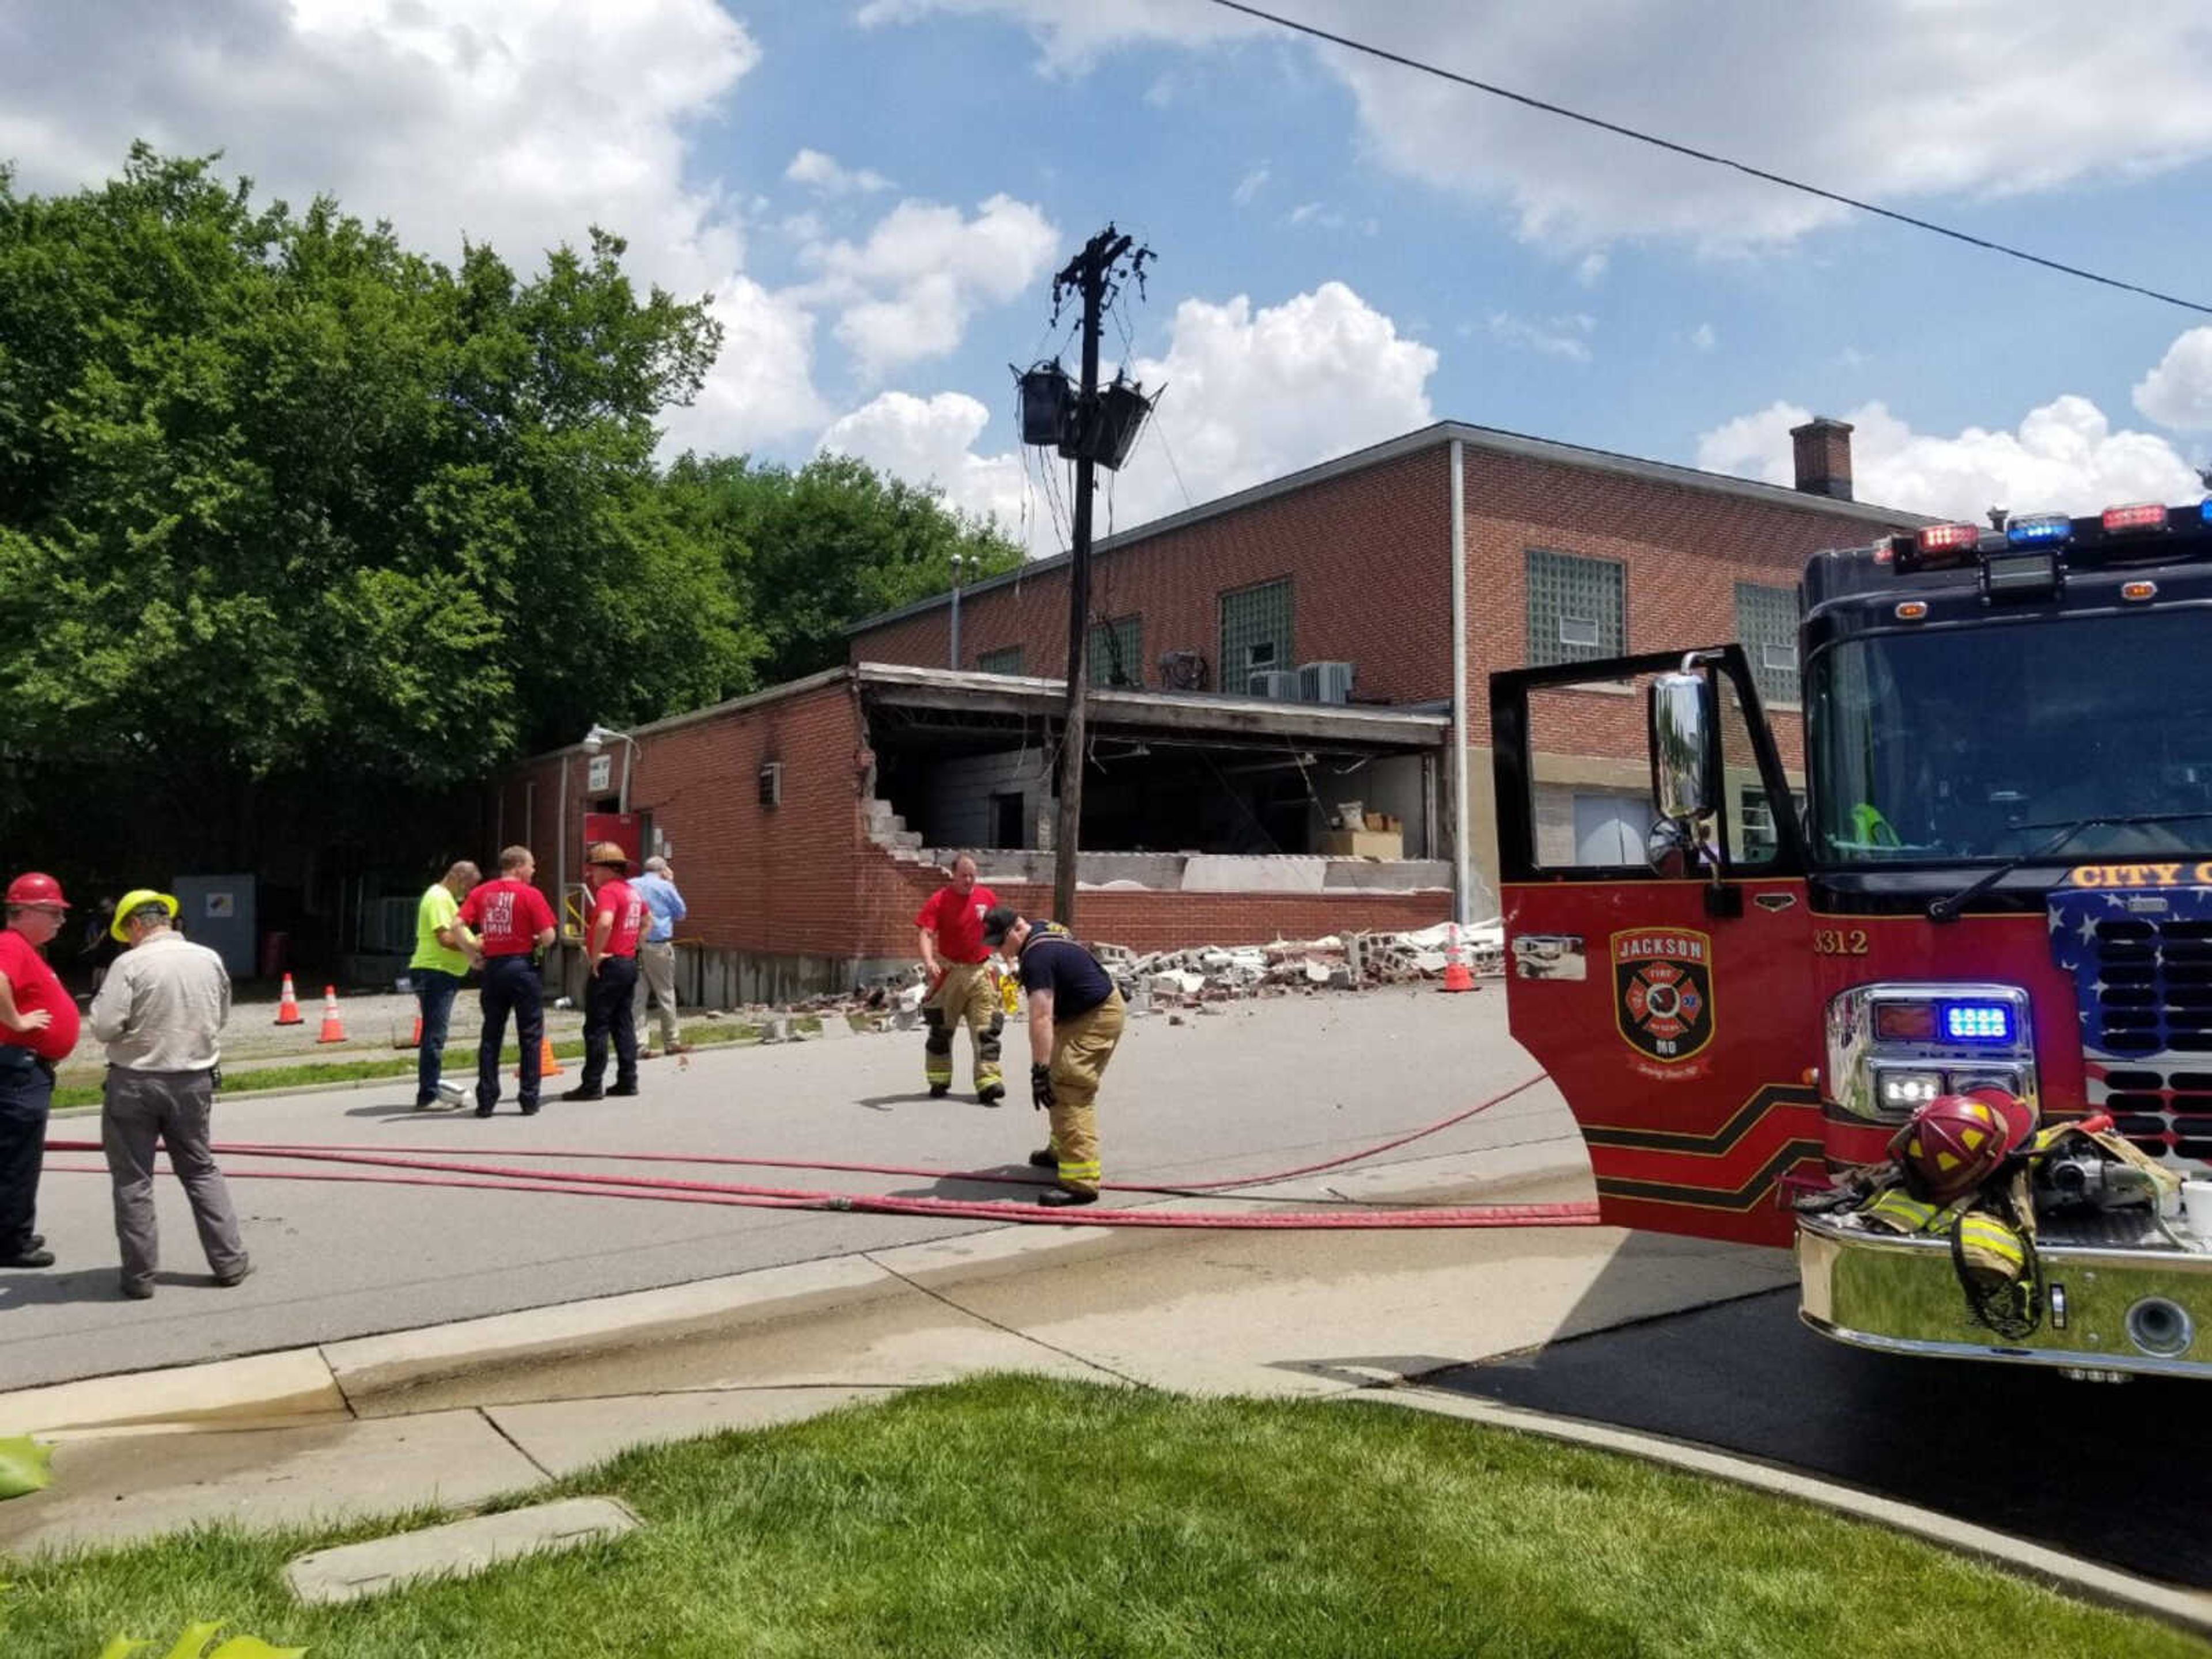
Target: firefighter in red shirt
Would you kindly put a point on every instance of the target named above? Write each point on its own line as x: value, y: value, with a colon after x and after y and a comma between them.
x: 504, y: 924
x: 960, y: 984
x: 38, y: 1029
x: 611, y: 951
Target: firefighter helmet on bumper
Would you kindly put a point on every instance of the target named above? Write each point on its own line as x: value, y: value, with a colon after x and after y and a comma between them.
x: 1954, y: 1143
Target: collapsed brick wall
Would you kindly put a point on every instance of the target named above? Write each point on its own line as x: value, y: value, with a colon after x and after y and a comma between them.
x: 892, y: 892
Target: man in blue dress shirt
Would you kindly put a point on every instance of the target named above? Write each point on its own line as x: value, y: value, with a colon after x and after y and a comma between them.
x: 656, y: 954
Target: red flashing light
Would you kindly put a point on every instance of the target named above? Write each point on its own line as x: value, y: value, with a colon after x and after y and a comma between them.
x: 2126, y: 520
x: 1905, y: 1022
x: 1936, y: 539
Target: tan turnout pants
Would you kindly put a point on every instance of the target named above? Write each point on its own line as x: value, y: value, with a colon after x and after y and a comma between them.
x: 968, y: 994
x: 1080, y: 1048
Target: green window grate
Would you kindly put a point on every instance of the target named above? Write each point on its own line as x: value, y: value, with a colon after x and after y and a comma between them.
x: 1577, y: 609
x: 1006, y: 661
x: 1117, y: 652
x: 1255, y: 633
x: 1766, y: 622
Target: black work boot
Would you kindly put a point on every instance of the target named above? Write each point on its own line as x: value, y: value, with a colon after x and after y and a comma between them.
x: 990, y: 1094
x: 1061, y: 1198
x: 1045, y: 1159
x: 938, y: 1090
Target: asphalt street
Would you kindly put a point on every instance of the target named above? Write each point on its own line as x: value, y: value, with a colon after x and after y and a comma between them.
x: 2111, y: 1472
x: 1258, y: 1087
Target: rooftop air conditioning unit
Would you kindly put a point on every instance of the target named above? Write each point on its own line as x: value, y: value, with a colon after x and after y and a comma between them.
x: 1280, y: 684
x: 1325, y: 681
x: 1182, y: 671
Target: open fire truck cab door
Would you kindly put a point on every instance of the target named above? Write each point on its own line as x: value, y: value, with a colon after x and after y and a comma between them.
x: 1660, y: 969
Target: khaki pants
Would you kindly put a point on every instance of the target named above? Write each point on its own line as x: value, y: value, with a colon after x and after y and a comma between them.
x: 969, y: 996
x: 172, y: 1109
x: 656, y: 983
x: 1080, y: 1048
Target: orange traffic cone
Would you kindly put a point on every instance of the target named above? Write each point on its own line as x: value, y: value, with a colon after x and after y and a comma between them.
x: 288, y: 1006
x: 549, y: 1063
x: 333, y: 1028
x: 1456, y: 978
x: 414, y: 1037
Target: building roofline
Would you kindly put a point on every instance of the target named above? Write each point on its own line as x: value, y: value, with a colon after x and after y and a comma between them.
x: 1493, y: 438
x: 692, y: 716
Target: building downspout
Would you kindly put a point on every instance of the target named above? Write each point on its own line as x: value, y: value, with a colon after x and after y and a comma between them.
x: 1462, y: 871
x: 560, y: 953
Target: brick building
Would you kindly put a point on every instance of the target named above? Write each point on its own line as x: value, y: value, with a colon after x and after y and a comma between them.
x: 1260, y: 662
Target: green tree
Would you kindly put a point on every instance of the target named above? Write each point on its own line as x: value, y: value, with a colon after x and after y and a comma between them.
x: 814, y: 550
x: 284, y: 504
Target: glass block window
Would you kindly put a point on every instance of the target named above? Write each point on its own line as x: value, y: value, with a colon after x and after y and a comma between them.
x: 1256, y: 632
x: 1117, y: 652
x: 1007, y: 660
x: 1577, y: 609
x: 1766, y: 622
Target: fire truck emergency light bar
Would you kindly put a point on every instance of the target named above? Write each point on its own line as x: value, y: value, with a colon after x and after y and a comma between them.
x: 2040, y: 536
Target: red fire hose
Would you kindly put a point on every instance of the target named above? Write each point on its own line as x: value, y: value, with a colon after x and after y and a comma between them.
x: 444, y: 1170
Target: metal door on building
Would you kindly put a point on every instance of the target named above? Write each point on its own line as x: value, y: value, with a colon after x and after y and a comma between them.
x: 1610, y: 829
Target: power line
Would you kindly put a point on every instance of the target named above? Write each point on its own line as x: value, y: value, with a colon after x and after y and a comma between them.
x: 1708, y: 157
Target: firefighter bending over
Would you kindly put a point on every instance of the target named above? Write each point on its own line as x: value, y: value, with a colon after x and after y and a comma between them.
x: 1075, y: 1019
x: 960, y: 984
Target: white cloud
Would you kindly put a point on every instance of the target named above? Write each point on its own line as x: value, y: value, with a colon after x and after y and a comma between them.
x: 928, y: 441
x: 1702, y: 338
x: 908, y: 292
x: 1567, y: 336
x: 2179, y: 391
x: 1894, y: 100
x: 763, y: 385
x: 2064, y: 456
x: 1590, y: 271
x: 824, y: 174
x: 519, y: 123
x: 1249, y: 186
x: 1249, y: 395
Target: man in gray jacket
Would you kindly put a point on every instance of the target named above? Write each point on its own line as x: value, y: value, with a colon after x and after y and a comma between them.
x: 160, y: 1012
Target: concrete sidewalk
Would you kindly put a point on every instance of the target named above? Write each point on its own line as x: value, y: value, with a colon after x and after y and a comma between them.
x: 457, y: 1414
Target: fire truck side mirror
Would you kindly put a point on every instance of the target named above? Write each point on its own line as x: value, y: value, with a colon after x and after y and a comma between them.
x: 1682, y: 708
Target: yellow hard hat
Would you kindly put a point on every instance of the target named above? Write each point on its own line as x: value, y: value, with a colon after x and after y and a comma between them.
x: 133, y: 901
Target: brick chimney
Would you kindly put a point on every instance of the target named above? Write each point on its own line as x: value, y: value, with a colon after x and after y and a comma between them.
x: 1824, y: 456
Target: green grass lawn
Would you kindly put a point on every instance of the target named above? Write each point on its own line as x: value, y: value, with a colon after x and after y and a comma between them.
x: 1016, y: 1516
x: 459, y: 1062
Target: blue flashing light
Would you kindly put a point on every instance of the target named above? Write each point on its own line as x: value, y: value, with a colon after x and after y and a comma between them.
x: 2204, y: 510
x: 1977, y: 1022
x: 2040, y: 530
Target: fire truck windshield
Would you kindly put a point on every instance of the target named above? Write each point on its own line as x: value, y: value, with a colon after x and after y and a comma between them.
x: 1969, y: 744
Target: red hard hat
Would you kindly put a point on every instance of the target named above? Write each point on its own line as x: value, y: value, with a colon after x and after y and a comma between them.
x: 35, y: 887
x: 1956, y: 1142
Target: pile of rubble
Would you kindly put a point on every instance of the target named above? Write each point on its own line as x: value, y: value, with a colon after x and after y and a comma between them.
x: 1210, y: 974
x: 1349, y: 962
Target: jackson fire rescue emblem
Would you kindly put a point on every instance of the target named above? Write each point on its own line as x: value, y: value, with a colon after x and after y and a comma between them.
x: 1664, y: 992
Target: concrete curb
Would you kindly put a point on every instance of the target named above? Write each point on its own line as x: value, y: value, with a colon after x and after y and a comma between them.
x: 2189, y: 1610
x: 375, y: 1376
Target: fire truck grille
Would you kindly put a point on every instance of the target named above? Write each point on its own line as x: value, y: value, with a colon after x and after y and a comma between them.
x: 2145, y: 989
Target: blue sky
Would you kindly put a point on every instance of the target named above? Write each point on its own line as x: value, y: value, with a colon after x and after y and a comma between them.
x: 877, y: 191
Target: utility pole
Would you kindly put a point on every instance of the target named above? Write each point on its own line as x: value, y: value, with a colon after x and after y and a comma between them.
x: 1093, y: 429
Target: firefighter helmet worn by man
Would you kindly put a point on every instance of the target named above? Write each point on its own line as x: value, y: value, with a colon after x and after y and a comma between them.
x: 1954, y: 1143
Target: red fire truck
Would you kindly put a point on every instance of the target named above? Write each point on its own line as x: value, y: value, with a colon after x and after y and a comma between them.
x: 1976, y: 860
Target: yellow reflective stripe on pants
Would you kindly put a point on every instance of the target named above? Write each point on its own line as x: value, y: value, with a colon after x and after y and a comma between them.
x: 966, y: 996
x: 1081, y: 1047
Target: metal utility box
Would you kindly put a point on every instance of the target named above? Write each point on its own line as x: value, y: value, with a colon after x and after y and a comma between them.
x: 219, y: 912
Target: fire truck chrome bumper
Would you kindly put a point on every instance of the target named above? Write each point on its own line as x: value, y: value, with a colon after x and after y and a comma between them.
x: 1900, y: 1295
